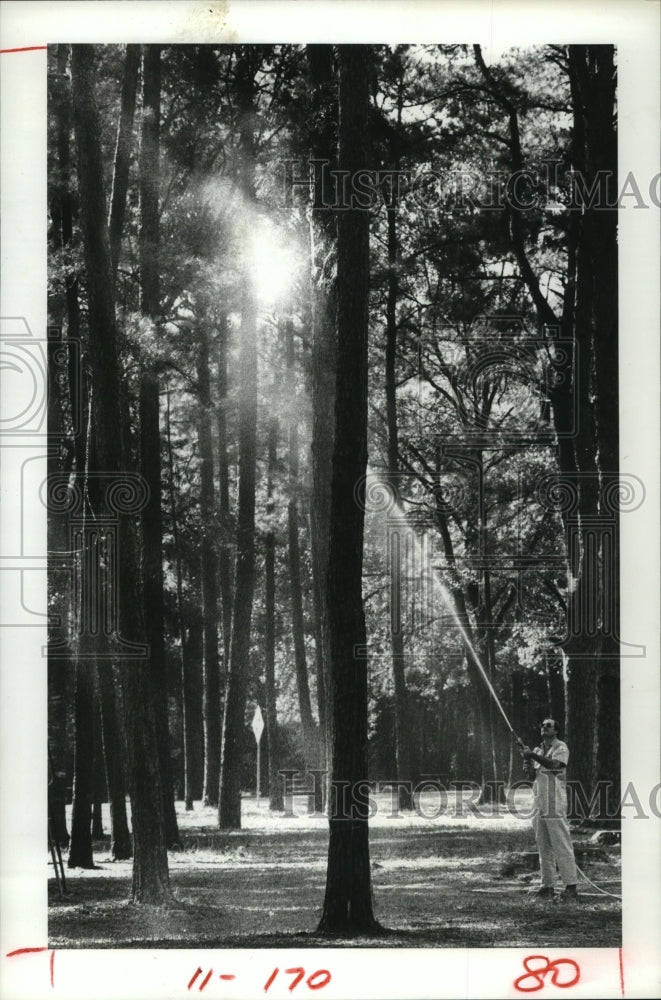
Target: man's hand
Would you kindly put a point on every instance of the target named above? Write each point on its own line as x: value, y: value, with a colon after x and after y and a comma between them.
x: 548, y: 762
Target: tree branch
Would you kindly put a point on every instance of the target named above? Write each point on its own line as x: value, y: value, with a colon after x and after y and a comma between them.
x: 544, y: 310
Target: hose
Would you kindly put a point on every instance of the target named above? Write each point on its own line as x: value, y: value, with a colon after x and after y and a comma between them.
x: 598, y: 888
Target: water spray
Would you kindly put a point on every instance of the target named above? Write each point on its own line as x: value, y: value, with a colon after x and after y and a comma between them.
x: 476, y: 660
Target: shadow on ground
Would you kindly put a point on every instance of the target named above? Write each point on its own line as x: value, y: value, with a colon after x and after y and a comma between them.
x: 433, y: 887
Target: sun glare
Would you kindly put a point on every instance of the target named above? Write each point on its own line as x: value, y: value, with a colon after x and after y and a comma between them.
x: 273, y: 263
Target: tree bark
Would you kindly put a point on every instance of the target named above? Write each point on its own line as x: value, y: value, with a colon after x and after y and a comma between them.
x: 195, y: 647
x: 211, y: 702
x: 60, y: 668
x: 593, y: 75
x: 150, y: 438
x: 224, y: 554
x: 80, y: 846
x: 120, y: 837
x: 58, y: 673
x: 309, y: 729
x: 608, y: 761
x: 323, y: 250
x: 229, y: 805
x: 120, y: 177
x: 112, y: 749
x: 348, y: 899
x: 593, y: 85
x: 517, y: 717
x: 66, y: 213
x: 152, y: 569
x: 99, y: 778
x: 108, y: 684
x: 186, y: 692
x: 86, y: 543
x: 402, y: 722
x: 496, y: 746
x: 150, y: 866
x: 276, y: 802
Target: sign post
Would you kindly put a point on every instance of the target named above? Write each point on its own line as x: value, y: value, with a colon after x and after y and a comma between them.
x: 258, y: 729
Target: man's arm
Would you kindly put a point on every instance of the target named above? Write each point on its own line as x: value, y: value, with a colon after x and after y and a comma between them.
x: 548, y: 762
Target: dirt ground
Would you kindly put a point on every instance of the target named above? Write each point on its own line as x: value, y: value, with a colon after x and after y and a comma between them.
x: 455, y: 880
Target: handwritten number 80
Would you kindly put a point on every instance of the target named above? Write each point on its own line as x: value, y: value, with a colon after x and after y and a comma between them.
x: 565, y: 972
x: 315, y: 981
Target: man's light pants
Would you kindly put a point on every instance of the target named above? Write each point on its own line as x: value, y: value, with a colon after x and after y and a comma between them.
x: 552, y: 830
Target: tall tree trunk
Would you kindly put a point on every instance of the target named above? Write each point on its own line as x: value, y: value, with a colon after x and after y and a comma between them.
x: 584, y: 643
x: 58, y: 674
x: 323, y: 250
x: 58, y: 665
x: 489, y: 662
x: 296, y: 592
x: 150, y: 438
x: 152, y: 569
x: 593, y: 83
x: 112, y: 734
x: 150, y: 864
x: 86, y: 544
x: 593, y: 77
x: 348, y: 899
x: 195, y: 648
x: 272, y: 737
x: 64, y: 214
x: 65, y: 206
x: 211, y: 702
x: 120, y: 176
x: 518, y: 721
x: 224, y: 554
x: 608, y: 759
x: 186, y: 692
x: 487, y: 627
x: 99, y: 777
x: 113, y: 753
x: 80, y: 846
x: 60, y: 668
x: 402, y: 721
x: 229, y: 805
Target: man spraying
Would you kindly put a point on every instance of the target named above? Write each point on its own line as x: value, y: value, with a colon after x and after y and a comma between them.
x: 547, y: 763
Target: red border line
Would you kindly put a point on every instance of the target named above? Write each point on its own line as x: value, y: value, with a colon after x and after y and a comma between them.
x: 26, y: 48
x: 621, y: 972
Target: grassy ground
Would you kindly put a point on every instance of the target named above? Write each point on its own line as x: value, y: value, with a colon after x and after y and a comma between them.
x: 452, y: 881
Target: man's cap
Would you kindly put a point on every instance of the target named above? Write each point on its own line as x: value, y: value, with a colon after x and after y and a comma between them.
x: 549, y: 722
